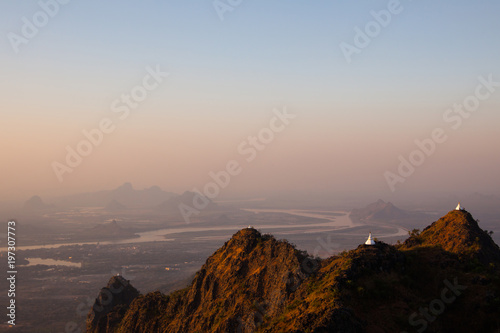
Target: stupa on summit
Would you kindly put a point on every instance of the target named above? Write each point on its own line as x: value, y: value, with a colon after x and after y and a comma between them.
x: 370, y: 240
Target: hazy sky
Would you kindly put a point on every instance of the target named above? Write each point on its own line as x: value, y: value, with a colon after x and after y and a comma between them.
x: 65, y: 70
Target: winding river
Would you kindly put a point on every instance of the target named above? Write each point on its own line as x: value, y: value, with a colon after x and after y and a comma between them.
x: 332, y: 223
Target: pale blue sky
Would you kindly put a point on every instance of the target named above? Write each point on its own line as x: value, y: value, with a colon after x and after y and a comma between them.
x: 226, y: 77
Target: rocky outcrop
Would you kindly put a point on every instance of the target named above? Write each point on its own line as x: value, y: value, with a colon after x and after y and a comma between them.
x: 111, y: 304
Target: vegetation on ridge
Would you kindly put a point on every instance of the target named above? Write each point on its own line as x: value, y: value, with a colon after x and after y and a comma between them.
x: 433, y: 281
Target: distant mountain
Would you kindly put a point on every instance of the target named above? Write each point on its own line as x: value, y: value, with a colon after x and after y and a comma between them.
x: 378, y: 211
x: 110, y: 230
x: 433, y: 282
x: 115, y: 206
x: 35, y: 203
x: 125, y: 195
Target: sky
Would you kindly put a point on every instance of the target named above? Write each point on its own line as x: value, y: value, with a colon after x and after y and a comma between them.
x: 292, y: 97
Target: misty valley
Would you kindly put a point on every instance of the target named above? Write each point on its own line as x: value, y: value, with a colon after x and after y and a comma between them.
x: 68, y: 249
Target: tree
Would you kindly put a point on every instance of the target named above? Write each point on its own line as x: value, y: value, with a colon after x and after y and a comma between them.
x: 414, y: 232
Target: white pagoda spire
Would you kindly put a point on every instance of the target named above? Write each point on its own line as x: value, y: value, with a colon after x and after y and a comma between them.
x: 459, y: 207
x: 370, y: 241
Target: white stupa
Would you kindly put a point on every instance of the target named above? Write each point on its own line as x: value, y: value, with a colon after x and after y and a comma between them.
x: 370, y: 240
x: 459, y: 207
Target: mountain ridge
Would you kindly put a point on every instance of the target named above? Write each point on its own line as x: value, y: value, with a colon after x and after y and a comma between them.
x: 255, y: 283
x: 125, y: 195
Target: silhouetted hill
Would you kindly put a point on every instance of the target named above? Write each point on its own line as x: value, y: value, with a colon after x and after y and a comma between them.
x: 379, y: 210
x: 110, y: 230
x: 125, y: 194
x: 35, y: 203
x: 255, y: 283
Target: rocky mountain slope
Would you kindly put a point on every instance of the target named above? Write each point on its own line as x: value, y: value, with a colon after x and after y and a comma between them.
x: 458, y: 232
x: 436, y: 281
x: 111, y: 304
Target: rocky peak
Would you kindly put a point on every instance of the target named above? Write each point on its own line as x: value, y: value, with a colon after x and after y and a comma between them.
x: 250, y: 268
x: 245, y: 240
x: 249, y: 275
x: 458, y: 232
x: 114, y: 299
